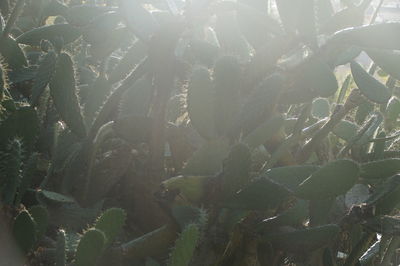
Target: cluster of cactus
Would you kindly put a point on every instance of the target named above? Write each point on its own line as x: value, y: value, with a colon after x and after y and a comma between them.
x: 199, y: 133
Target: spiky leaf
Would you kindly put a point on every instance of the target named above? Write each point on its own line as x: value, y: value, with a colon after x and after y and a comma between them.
x: 33, y: 37
x: 63, y: 92
x: 207, y: 160
x: 90, y: 247
x: 110, y: 223
x: 12, y: 53
x: 380, y: 35
x: 380, y: 169
x: 345, y: 130
x: 41, y: 217
x: 61, y: 249
x: 10, y: 171
x: 184, y: 246
x: 200, y: 101
x: 24, y: 231
x: 331, y: 180
x: 264, y: 132
x: 43, y: 76
x: 369, y: 86
x: 132, y: 57
x: 304, y: 240
x: 28, y: 173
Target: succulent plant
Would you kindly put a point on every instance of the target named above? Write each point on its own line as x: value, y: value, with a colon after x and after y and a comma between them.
x: 152, y: 133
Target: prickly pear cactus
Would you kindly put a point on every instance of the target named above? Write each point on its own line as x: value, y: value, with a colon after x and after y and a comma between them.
x: 210, y: 133
x: 90, y: 247
x: 185, y: 246
x: 111, y: 223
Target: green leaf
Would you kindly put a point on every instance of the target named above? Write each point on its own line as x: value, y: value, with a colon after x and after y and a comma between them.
x: 297, y: 16
x: 230, y: 39
x: 320, y: 108
x: 387, y: 60
x: 98, y: 93
x: 10, y: 170
x: 133, y: 56
x: 136, y: 100
x: 90, y: 248
x: 51, y: 33
x: 41, y: 218
x: 320, y: 210
x: 200, y: 103
x: 100, y: 28
x: 54, y: 8
x: 369, y: 86
x: 344, y: 88
x: 208, y: 159
x: 12, y: 53
x: 138, y: 19
x: 264, y: 132
x: 260, y: 194
x: 191, y: 187
x: 382, y: 36
x: 63, y: 92
x: 111, y: 223
x: 236, y: 169
x: 345, y: 130
x: 312, y: 78
x: 22, y: 123
x: 61, y: 249
x: 185, y: 246
x: 185, y: 215
x: 151, y: 262
x: 260, y: 104
x: 44, y: 74
x: 304, y: 240
x: 256, y: 25
x: 80, y: 15
x: 291, y: 176
x: 56, y: 197
x: 204, y: 53
x: 71, y: 216
x: 386, y: 197
x: 28, y: 173
x: 293, y: 217
x: 385, y: 225
x: 380, y: 169
x: 392, y: 113
x: 331, y: 180
x: 133, y: 128
x: 345, y: 18
x: 323, y: 11
x: 363, y: 111
x: 24, y: 231
x: 227, y: 75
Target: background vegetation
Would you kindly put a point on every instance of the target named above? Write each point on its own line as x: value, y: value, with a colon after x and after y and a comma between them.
x: 197, y: 133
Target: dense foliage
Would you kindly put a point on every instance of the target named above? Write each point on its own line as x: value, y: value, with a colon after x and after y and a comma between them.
x: 198, y: 133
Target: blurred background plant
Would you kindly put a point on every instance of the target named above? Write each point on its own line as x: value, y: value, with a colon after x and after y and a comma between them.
x: 200, y: 132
